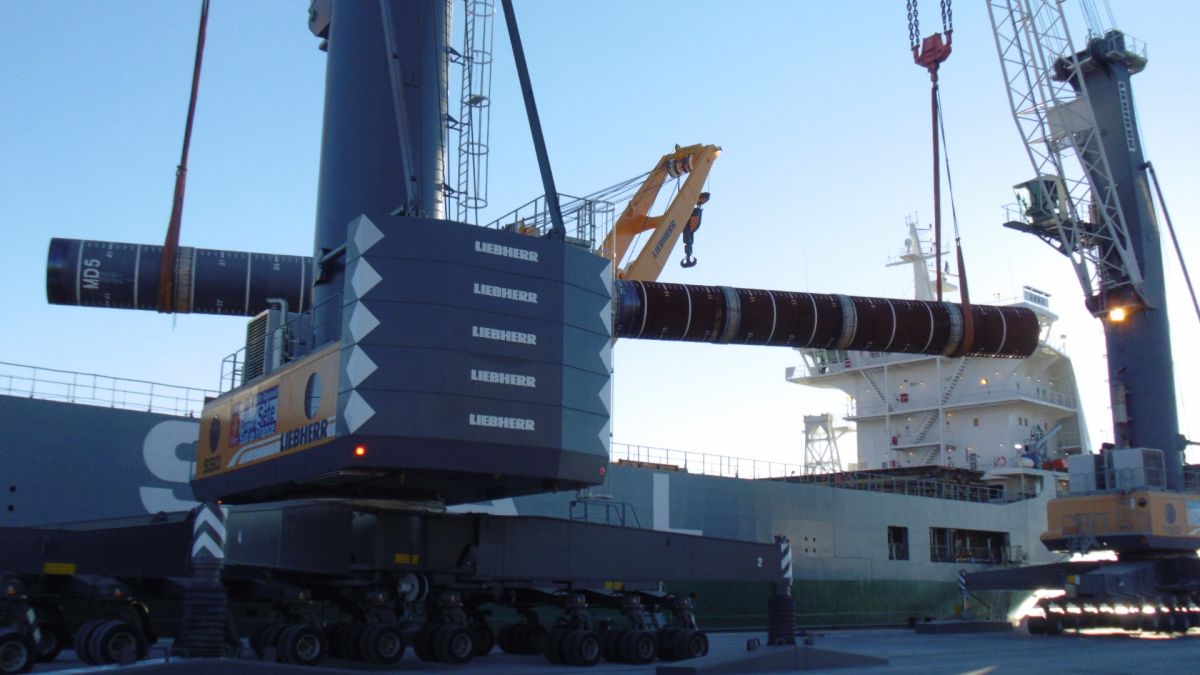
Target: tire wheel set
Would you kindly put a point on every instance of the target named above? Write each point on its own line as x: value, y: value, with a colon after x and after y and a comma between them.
x: 18, y: 653
x: 297, y: 643
x: 378, y: 643
x: 585, y: 648
x: 522, y: 638
x: 105, y: 641
x: 444, y: 643
x: 573, y: 647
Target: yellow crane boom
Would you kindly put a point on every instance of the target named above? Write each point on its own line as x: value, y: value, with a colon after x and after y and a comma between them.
x: 695, y: 161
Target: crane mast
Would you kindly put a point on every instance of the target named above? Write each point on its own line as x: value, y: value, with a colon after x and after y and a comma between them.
x: 1090, y: 200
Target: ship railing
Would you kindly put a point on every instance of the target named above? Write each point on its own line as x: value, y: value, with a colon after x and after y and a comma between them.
x: 100, y: 390
x: 913, y: 487
x: 702, y: 463
x: 664, y: 459
x: 826, y: 361
x: 988, y: 393
x: 969, y: 555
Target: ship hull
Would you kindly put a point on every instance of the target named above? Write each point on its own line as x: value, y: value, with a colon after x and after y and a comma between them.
x: 848, y: 570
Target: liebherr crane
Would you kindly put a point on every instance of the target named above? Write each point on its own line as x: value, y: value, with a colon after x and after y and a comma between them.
x: 1090, y: 200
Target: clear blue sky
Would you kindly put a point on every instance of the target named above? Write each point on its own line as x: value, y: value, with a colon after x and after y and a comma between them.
x: 820, y: 111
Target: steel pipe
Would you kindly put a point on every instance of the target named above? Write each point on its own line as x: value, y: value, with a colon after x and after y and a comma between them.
x: 207, y: 281
x: 725, y: 315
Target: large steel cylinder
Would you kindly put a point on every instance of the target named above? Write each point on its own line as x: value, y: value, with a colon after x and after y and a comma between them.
x: 125, y: 276
x: 725, y: 315
x: 207, y: 281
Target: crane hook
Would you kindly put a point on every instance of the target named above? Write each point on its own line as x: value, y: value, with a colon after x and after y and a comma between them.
x: 693, y: 224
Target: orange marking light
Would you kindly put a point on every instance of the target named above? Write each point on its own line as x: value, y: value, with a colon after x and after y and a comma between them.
x: 360, y: 450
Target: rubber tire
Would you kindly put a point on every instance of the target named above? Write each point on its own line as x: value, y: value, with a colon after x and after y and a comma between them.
x: 504, y: 637
x: 331, y: 634
x: 639, y: 647
x: 485, y: 638
x: 666, y: 643
x: 55, y: 638
x: 353, y: 642
x: 422, y: 642
x: 532, y: 639
x: 18, y: 647
x: 1054, y: 624
x: 694, y: 644
x: 1036, y: 625
x: 256, y: 635
x: 80, y: 642
x: 454, y: 644
x: 106, y: 640
x: 381, y: 644
x: 612, y: 645
x: 296, y: 645
x: 553, y: 649
x: 270, y: 637
x: 582, y: 648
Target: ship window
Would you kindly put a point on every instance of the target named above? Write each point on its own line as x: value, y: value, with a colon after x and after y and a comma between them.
x: 975, y: 422
x: 897, y: 543
x: 967, y: 546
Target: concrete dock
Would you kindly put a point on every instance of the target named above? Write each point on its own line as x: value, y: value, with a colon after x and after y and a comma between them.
x: 904, y: 650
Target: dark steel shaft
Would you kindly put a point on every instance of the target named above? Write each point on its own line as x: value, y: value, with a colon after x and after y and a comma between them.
x: 124, y: 276
x: 725, y: 315
x: 207, y: 281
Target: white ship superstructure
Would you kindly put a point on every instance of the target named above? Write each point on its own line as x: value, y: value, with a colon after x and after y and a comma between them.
x: 968, y: 412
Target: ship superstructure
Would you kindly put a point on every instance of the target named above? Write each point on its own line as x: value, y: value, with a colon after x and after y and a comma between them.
x: 964, y: 412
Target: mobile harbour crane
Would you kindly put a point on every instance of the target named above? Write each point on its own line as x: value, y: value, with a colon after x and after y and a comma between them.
x: 1136, y: 498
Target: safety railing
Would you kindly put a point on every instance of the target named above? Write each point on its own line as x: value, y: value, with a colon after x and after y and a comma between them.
x: 100, y: 390
x: 985, y: 394
x: 295, y: 338
x: 978, y: 555
x: 739, y: 467
x: 703, y: 463
x: 582, y: 217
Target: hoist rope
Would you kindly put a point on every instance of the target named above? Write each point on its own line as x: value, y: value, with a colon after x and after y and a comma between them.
x: 1187, y: 278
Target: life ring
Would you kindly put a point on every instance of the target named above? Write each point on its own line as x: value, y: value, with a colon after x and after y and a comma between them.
x: 1001, y: 461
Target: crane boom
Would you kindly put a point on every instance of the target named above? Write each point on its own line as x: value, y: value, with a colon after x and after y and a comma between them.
x: 695, y: 161
x: 1073, y: 206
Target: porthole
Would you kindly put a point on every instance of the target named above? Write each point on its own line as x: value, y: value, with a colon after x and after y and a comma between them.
x: 214, y: 434
x: 312, y: 396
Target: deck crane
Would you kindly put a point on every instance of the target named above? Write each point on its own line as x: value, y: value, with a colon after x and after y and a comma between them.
x: 679, y: 219
x: 695, y: 161
x: 1090, y: 200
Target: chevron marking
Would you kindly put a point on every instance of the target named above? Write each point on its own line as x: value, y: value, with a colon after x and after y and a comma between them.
x: 358, y: 411
x: 364, y: 234
x: 359, y: 366
x: 206, y: 544
x: 363, y: 277
x: 362, y: 322
x: 208, y: 516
